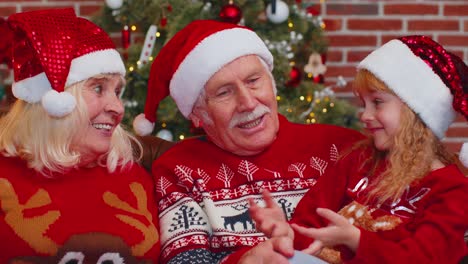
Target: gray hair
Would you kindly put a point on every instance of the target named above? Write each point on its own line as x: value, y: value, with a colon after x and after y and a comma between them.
x: 200, y: 103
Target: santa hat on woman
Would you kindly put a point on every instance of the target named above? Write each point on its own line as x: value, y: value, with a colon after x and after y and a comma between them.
x: 429, y: 79
x: 188, y: 61
x: 53, y: 49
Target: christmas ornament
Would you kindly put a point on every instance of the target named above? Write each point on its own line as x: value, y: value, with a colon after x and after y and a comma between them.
x: 230, y: 13
x: 165, y: 134
x: 163, y: 21
x: 114, y: 4
x: 312, y: 10
x: 278, y: 12
x: 315, y: 68
x: 295, y: 77
x: 148, y: 45
x: 125, y: 37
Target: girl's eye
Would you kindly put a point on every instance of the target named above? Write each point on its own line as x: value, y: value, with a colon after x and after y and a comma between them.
x: 119, y: 92
x: 377, y: 101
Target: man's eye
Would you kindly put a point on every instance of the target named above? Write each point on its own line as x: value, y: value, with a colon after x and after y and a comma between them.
x: 253, y: 80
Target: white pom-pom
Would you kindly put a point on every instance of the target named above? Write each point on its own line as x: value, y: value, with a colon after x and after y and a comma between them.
x: 142, y: 126
x: 463, y: 156
x: 58, y: 104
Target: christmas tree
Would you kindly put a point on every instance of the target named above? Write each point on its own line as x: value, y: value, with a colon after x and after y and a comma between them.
x: 293, y: 32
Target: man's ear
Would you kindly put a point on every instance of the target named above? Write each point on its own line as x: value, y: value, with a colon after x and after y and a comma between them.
x: 196, y: 121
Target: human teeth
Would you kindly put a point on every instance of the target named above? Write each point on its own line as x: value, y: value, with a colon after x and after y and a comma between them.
x: 102, y: 126
x: 251, y: 124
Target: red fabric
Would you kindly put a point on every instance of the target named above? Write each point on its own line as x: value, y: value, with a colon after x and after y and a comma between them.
x: 433, y: 234
x: 39, y: 215
x: 200, y: 208
x: 48, y: 40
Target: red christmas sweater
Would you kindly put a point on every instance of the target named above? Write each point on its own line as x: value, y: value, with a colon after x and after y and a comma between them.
x: 86, y: 214
x: 202, y: 190
x: 433, y: 215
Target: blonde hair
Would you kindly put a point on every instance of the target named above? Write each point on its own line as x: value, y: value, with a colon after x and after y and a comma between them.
x: 404, y: 165
x: 45, y: 142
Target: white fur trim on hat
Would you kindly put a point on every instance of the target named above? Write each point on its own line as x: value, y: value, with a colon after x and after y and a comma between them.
x: 94, y: 63
x: 142, y: 126
x: 32, y: 89
x: 208, y: 57
x: 414, y: 82
x: 463, y: 155
x: 58, y: 104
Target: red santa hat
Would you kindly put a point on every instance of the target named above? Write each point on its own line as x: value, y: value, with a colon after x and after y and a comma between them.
x: 429, y: 79
x: 188, y: 61
x: 53, y: 49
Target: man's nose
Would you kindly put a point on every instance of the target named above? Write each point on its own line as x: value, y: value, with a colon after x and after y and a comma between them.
x: 246, y: 98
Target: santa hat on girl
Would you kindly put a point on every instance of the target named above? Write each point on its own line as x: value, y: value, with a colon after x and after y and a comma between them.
x: 53, y: 49
x: 188, y: 61
x: 429, y: 79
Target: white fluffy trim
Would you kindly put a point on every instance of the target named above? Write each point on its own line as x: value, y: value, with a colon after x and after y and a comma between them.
x: 58, y: 104
x: 208, y: 57
x: 32, y: 89
x: 142, y: 126
x: 463, y: 156
x: 414, y: 82
x: 94, y: 63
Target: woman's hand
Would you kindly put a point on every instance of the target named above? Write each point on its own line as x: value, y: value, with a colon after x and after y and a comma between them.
x: 338, y: 232
x: 270, y: 220
x: 273, y: 251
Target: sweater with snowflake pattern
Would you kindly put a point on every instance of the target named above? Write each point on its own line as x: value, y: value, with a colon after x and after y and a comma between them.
x: 84, y: 215
x: 202, y: 191
x: 433, y: 215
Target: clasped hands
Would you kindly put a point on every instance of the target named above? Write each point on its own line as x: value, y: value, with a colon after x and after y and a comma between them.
x: 279, y: 248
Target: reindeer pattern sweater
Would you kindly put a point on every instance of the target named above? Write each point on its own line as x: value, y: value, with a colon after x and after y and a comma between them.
x: 83, y: 215
x: 202, y: 191
x: 432, y: 213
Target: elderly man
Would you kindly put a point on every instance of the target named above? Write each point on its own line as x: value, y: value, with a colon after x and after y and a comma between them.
x: 220, y: 78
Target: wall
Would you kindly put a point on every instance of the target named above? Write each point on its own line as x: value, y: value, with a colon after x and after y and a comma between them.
x: 354, y: 28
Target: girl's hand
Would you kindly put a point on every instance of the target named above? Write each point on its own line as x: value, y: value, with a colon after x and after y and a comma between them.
x: 270, y: 220
x: 338, y: 232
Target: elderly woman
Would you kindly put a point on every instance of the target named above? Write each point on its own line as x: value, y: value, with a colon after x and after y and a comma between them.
x: 70, y: 190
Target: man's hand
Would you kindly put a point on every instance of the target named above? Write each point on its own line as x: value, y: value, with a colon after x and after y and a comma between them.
x: 338, y: 232
x: 273, y: 251
x: 270, y: 220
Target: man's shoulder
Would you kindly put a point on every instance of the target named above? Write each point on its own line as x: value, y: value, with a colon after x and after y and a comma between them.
x: 325, y: 132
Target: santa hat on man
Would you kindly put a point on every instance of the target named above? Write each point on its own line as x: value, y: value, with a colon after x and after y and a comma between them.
x: 430, y: 80
x: 188, y: 61
x: 53, y: 49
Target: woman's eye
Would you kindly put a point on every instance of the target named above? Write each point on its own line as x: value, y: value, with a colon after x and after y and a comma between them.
x: 98, y: 89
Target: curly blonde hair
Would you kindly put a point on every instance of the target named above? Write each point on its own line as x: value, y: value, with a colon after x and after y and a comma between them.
x: 45, y: 142
x: 404, y: 165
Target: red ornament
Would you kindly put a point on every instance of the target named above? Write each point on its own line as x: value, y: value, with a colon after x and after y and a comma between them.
x: 295, y: 77
x: 230, y: 13
x: 318, y: 79
x: 169, y: 8
x: 125, y: 37
x: 312, y: 10
x: 163, y: 21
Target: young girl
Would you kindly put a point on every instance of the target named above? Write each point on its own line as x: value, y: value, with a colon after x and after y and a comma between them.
x: 399, y: 196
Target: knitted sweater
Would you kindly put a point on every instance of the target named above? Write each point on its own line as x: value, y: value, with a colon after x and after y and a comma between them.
x: 202, y: 190
x: 432, y: 215
x: 85, y: 214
